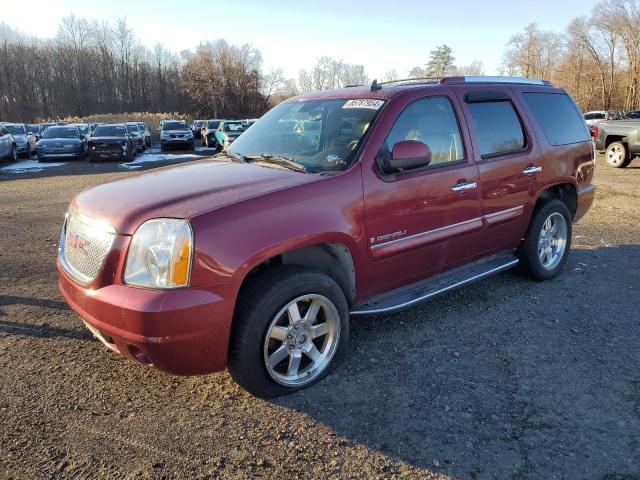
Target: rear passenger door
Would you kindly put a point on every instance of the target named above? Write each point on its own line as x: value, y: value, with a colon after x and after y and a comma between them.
x: 508, y: 161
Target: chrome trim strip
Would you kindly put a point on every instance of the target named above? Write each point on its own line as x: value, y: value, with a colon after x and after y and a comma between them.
x: 454, y: 225
x: 503, y: 212
x: 461, y: 283
x: 422, y: 234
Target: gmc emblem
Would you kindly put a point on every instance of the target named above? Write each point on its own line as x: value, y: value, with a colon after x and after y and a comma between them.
x: 77, y: 242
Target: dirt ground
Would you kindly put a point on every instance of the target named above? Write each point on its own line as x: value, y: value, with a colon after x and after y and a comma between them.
x: 507, y: 379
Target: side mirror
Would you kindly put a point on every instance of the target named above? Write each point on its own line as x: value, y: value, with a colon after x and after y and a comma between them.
x: 408, y: 155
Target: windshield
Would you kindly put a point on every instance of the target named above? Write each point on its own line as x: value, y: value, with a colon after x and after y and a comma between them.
x: 109, y: 131
x: 175, y: 126
x: 132, y: 128
x: 233, y: 127
x: 594, y: 116
x: 16, y: 129
x: 197, y: 124
x: 322, y: 135
x: 213, y: 124
x: 142, y: 127
x: 60, y: 132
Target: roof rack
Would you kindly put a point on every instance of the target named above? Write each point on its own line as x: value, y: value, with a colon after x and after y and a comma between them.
x: 493, y: 79
x: 417, y: 80
x: 462, y: 80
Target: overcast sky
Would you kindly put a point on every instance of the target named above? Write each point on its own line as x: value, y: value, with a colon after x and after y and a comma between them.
x: 381, y: 35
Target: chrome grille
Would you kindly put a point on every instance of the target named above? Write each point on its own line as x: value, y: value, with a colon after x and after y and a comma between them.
x: 84, y: 245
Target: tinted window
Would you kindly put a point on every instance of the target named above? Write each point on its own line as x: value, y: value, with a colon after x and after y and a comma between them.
x: 431, y: 121
x: 109, y: 131
x: 175, y: 126
x: 16, y: 129
x: 213, y: 124
x: 558, y: 117
x: 60, y: 132
x: 498, y: 128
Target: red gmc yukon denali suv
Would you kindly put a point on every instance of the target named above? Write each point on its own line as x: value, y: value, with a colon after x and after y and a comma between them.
x: 335, y: 204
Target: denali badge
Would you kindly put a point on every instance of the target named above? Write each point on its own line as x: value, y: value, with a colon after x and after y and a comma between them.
x: 388, y: 236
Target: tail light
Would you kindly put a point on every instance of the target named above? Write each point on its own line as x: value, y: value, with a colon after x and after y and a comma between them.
x: 594, y: 132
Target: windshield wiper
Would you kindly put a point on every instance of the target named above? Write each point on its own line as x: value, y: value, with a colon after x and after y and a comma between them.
x: 229, y: 154
x: 276, y: 160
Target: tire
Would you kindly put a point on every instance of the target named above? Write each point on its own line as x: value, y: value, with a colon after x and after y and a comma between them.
x: 533, y: 260
x: 617, y: 155
x: 262, y: 305
x: 13, y: 155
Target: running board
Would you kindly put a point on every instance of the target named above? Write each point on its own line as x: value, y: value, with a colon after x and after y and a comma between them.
x: 414, y: 293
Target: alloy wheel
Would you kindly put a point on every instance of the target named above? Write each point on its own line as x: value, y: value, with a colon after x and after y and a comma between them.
x: 552, y: 241
x: 301, y: 340
x: 616, y: 155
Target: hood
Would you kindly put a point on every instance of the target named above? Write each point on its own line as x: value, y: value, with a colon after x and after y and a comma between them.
x: 182, y: 191
x: 176, y: 132
x: 20, y: 137
x: 108, y: 139
x: 43, y: 142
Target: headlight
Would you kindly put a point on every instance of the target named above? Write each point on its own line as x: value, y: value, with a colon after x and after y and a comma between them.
x: 160, y: 254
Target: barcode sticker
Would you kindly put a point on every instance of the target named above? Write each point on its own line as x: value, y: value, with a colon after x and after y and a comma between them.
x: 364, y: 103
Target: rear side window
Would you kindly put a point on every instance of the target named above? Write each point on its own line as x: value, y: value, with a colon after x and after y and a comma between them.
x: 558, y: 117
x: 498, y: 128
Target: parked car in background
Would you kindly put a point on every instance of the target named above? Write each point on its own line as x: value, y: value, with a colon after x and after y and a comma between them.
x: 25, y: 141
x: 44, y: 126
x: 633, y: 115
x: 592, y: 118
x: 249, y: 121
x: 93, y: 125
x: 227, y: 132
x: 258, y: 260
x: 176, y: 134
x: 111, y: 142
x: 619, y: 141
x: 207, y: 132
x: 84, y: 128
x: 136, y: 136
x: 34, y: 128
x: 61, y: 142
x: 196, y: 127
x: 145, y: 133
x: 8, y: 148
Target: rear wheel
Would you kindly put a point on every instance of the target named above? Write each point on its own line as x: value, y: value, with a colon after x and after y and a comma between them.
x: 13, y: 155
x: 617, y: 155
x: 290, y: 328
x: 544, y: 250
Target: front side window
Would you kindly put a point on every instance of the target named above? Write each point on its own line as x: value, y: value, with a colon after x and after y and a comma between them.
x: 558, y: 118
x: 498, y: 128
x: 233, y: 127
x: 321, y: 135
x: 433, y: 122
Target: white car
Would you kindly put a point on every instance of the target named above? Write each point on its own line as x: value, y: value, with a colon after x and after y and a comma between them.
x: 591, y: 118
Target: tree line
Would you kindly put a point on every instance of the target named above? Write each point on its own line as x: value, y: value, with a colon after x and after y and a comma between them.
x: 99, y: 67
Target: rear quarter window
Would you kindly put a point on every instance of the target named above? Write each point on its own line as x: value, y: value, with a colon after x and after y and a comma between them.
x: 558, y: 117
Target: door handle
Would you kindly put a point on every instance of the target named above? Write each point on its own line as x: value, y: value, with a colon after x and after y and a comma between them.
x: 531, y: 170
x: 461, y: 187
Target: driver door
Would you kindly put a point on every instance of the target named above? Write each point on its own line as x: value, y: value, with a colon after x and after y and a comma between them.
x: 420, y: 223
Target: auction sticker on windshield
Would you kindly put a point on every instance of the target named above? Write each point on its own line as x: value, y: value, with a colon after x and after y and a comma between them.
x: 364, y: 103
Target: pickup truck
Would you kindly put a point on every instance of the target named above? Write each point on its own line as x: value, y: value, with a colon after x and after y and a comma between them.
x: 335, y: 204
x: 619, y: 140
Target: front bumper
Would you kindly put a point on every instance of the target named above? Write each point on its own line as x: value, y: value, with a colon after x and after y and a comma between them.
x: 182, y: 331
x: 586, y: 195
x: 176, y: 142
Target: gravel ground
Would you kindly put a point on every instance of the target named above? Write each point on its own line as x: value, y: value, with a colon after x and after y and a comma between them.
x: 504, y: 379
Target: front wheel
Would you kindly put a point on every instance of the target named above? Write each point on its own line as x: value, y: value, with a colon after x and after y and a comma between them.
x: 544, y: 250
x: 617, y: 155
x: 291, y: 327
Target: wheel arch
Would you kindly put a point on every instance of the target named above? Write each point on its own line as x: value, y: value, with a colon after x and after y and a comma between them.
x: 333, y: 257
x: 566, y: 192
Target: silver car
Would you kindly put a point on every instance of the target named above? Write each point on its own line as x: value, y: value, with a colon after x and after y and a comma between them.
x: 24, y: 139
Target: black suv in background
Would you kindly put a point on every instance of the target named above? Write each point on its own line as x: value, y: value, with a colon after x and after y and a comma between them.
x: 208, y: 131
x: 111, y: 142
